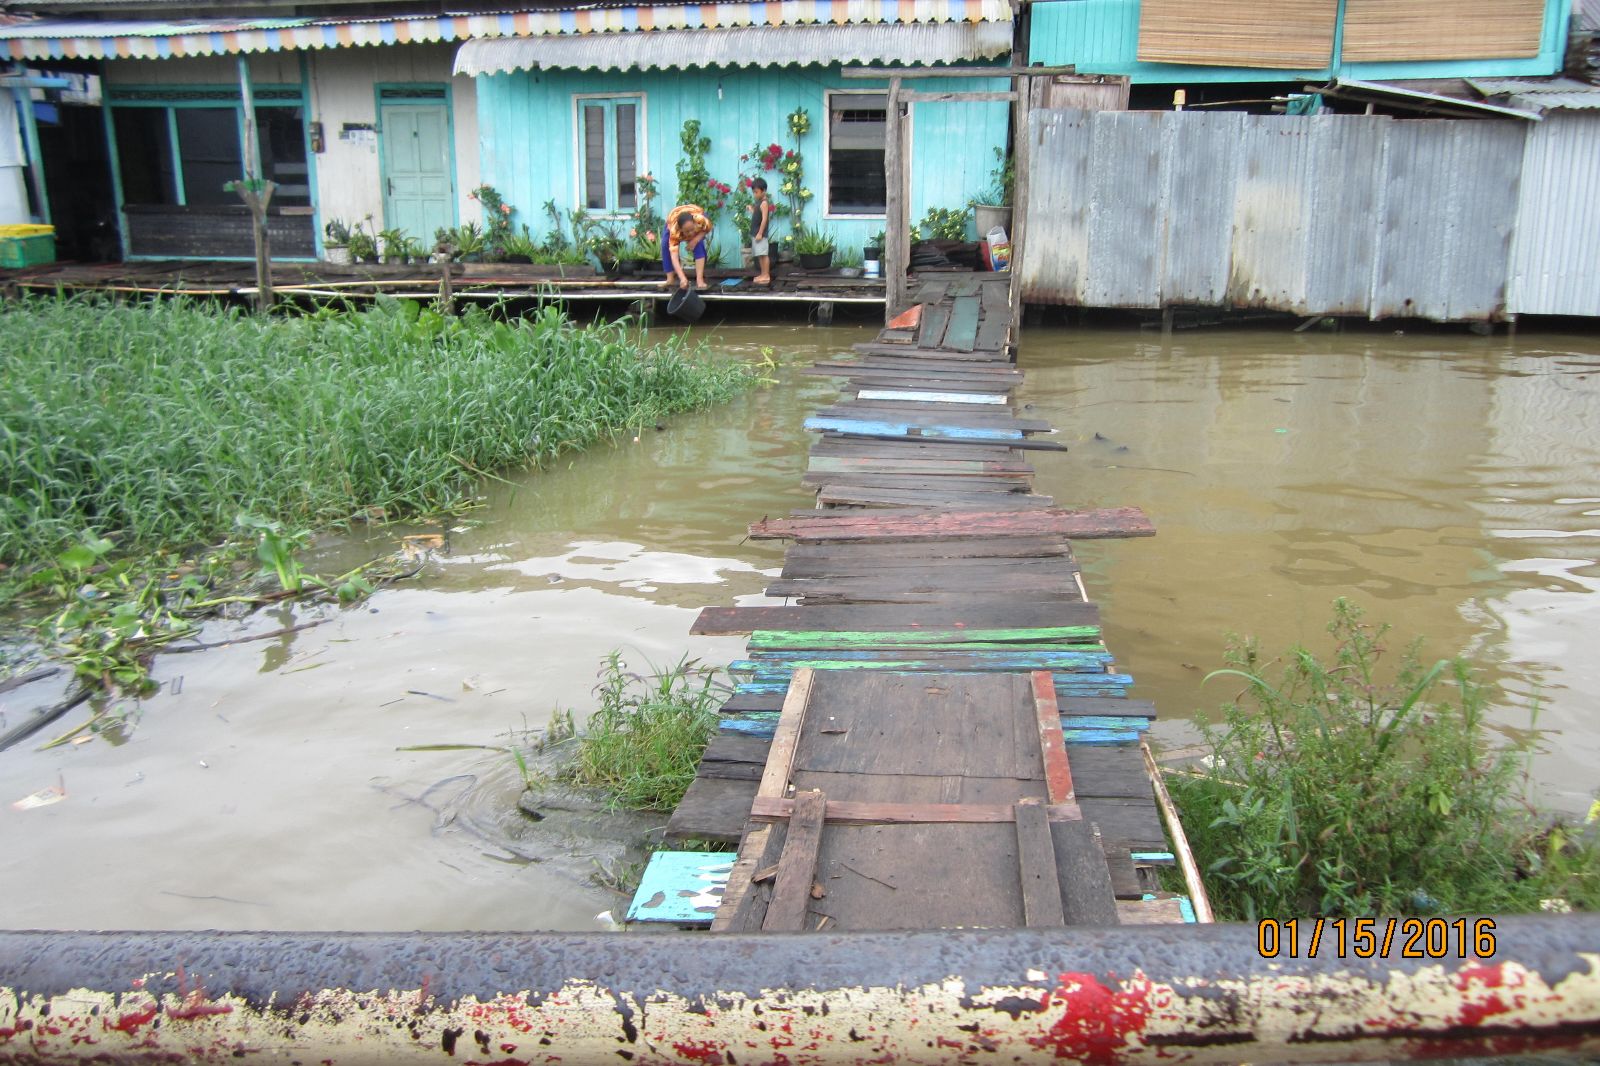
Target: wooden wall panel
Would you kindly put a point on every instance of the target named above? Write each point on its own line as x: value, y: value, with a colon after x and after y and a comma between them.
x: 1290, y: 34
x: 1379, y: 30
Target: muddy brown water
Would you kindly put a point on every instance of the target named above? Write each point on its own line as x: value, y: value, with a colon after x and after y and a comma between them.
x: 1446, y: 482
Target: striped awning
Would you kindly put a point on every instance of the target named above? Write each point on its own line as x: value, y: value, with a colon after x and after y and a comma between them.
x: 128, y: 39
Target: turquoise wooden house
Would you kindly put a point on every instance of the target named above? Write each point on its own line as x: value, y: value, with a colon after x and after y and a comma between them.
x: 1179, y: 41
x: 577, y: 117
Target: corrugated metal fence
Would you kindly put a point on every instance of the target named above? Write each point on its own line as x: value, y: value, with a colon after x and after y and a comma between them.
x: 1322, y: 214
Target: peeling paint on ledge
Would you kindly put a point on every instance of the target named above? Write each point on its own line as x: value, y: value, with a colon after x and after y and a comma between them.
x: 1102, y: 997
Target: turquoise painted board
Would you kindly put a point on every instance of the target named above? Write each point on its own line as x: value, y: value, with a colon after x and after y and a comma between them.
x: 902, y: 429
x: 529, y: 147
x: 417, y: 193
x: 1155, y: 858
x: 681, y: 887
x: 1102, y: 37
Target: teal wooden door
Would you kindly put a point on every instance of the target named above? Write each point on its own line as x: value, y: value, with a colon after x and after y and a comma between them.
x: 419, y: 186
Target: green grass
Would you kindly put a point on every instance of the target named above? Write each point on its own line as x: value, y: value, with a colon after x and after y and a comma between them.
x: 643, y: 741
x: 1361, y: 786
x: 156, y: 424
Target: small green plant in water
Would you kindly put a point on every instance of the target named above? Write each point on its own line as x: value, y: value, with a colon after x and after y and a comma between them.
x: 642, y: 743
x: 1358, y: 786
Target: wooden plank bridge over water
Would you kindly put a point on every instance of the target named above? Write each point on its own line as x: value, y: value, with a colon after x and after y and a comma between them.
x: 931, y: 733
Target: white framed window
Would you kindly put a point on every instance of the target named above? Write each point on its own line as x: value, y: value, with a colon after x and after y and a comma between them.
x: 609, y: 134
x: 853, y: 147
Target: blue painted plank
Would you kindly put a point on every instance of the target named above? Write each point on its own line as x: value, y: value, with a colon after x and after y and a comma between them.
x: 1155, y: 858
x: 1100, y: 736
x: 681, y: 887
x: 902, y: 429
x: 1102, y: 731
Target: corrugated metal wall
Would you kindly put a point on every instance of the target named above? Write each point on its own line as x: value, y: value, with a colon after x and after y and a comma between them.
x: 1555, y: 260
x: 1325, y: 214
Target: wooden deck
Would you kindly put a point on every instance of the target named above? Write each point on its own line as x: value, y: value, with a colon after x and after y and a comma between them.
x: 932, y: 734
x: 468, y: 282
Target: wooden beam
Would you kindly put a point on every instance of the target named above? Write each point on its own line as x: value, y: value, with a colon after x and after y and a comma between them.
x: 797, y: 869
x: 1022, y: 159
x: 897, y: 254
x: 780, y: 757
x: 1057, y: 772
x: 958, y: 97
x: 952, y: 72
x: 937, y: 525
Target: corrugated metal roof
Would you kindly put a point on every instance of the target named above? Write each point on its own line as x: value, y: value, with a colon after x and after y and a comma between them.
x: 1400, y: 95
x: 759, y: 46
x: 1541, y: 94
x: 152, y: 39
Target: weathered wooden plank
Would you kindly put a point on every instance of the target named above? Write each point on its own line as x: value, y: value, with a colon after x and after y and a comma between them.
x: 935, y: 317
x: 1057, y: 773
x: 1130, y: 822
x: 850, y: 813
x: 924, y: 396
x: 797, y: 867
x: 1050, y: 549
x: 1152, y: 911
x: 873, y: 496
x: 987, y: 638
x: 823, y: 465
x: 1109, y: 522
x: 780, y: 756
x: 911, y: 450
x: 713, y: 808
x: 914, y: 480
x: 1087, y: 898
x: 934, y: 414
x: 1036, y: 866
x: 1107, y: 771
x: 744, y: 904
x: 1083, y: 706
x: 953, y: 659
x: 723, y: 621
x: 889, y: 595
x: 951, y: 573
x: 1124, y: 878
x: 962, y: 331
x: 1024, y: 444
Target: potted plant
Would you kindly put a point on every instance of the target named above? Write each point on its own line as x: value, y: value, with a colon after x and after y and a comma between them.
x: 336, y: 241
x: 391, y: 245
x: 469, y: 242
x: 872, y: 254
x: 992, y: 210
x: 363, y: 246
x: 814, y: 247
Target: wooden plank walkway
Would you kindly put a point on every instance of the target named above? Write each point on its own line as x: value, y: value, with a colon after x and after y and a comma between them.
x: 932, y: 733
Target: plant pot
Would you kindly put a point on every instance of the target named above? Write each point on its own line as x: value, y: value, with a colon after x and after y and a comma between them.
x: 747, y: 258
x: 873, y: 253
x: 991, y: 216
x: 523, y: 259
x: 337, y: 254
x: 785, y: 255
x: 816, y: 261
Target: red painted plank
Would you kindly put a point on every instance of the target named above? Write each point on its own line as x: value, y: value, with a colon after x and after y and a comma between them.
x: 1107, y: 522
x: 1057, y: 772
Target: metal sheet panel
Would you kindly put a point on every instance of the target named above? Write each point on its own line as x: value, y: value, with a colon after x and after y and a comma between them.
x: 1346, y: 167
x: 1445, y: 223
x: 1057, y: 258
x: 1124, y: 210
x: 1555, y: 264
x: 1270, y: 206
x: 763, y: 46
x: 1201, y: 177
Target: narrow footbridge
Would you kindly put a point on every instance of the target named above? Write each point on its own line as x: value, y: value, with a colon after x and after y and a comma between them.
x: 933, y: 734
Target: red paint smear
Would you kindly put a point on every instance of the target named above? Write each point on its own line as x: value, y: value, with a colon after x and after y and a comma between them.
x: 129, y: 1023
x: 1096, y: 1020
x: 700, y: 1051
x: 196, y: 1007
x: 1483, y: 1002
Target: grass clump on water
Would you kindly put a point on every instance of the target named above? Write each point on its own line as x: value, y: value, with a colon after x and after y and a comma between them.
x: 1357, y: 787
x: 156, y: 424
x: 643, y: 742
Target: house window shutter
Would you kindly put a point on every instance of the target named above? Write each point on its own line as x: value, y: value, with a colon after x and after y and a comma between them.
x: 1287, y: 35
x: 1410, y: 30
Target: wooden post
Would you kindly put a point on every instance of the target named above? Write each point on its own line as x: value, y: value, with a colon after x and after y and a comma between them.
x: 256, y: 194
x: 1021, y: 161
x: 897, y: 250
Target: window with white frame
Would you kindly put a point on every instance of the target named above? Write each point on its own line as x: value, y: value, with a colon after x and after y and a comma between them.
x: 857, y: 132
x: 610, y: 132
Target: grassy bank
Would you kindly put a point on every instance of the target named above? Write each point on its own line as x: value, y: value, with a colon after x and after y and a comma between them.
x: 157, y: 424
x: 1369, y: 784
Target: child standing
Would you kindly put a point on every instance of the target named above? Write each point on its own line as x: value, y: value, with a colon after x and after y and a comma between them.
x: 760, y: 225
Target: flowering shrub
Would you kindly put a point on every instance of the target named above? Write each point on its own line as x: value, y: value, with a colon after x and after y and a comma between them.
x: 695, y: 183
x: 496, y: 218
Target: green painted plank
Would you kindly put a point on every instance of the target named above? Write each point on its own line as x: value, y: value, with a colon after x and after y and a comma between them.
x: 962, y: 332
x: 770, y: 638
